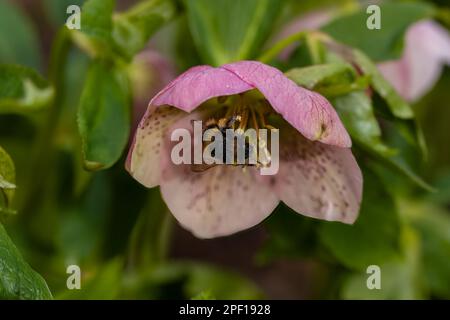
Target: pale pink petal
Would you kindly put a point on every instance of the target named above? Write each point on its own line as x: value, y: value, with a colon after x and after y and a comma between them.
x: 310, y: 113
x: 427, y: 49
x: 197, y: 85
x: 318, y: 180
x: 217, y: 202
x: 186, y: 92
x: 143, y: 161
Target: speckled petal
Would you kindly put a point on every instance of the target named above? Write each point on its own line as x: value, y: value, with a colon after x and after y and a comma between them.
x: 310, y: 113
x: 318, y: 180
x: 217, y: 202
x: 143, y: 161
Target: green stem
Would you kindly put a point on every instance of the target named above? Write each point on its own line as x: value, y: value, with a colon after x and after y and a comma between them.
x: 150, y: 238
x: 275, y: 50
x: 44, y: 147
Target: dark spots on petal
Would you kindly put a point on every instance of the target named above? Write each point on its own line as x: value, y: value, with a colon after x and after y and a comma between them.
x: 272, y: 181
x: 323, y: 128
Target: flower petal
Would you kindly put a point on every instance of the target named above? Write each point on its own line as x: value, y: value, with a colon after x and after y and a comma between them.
x: 310, y: 113
x: 197, y: 85
x: 217, y: 202
x: 427, y: 49
x: 143, y: 161
x: 318, y: 180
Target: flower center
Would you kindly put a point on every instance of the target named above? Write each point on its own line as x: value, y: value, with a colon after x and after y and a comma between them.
x: 240, y: 120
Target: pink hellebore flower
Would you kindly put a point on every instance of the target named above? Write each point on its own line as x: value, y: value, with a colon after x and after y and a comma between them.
x: 318, y: 175
x: 426, y: 51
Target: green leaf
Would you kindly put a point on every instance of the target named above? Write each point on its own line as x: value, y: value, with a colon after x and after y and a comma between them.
x: 22, y: 90
x: 17, y: 279
x: 226, y: 31
x: 87, y: 216
x: 106, y: 34
x: 397, y: 282
x: 148, y: 240
x: 104, y: 116
x: 398, y: 163
x: 322, y: 75
x: 433, y: 225
x: 103, y: 283
x: 204, y: 295
x: 290, y: 235
x: 380, y: 44
x: 96, y: 19
x: 95, y: 34
x: 373, y: 239
x: 7, y: 181
x: 400, y: 279
x: 185, y: 280
x: 331, y: 79
x: 399, y: 107
x: 18, y: 40
x: 133, y: 28
x: 353, y: 105
x: 356, y: 112
x: 220, y: 283
x: 56, y: 10
x: 402, y: 136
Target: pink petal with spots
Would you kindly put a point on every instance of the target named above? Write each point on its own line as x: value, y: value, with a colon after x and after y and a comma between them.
x: 310, y: 113
x: 318, y: 180
x: 427, y: 50
x: 220, y: 201
x: 217, y: 202
x: 143, y: 161
x: 186, y: 92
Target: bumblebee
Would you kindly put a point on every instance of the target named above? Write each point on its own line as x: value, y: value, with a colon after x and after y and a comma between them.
x: 212, y: 126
